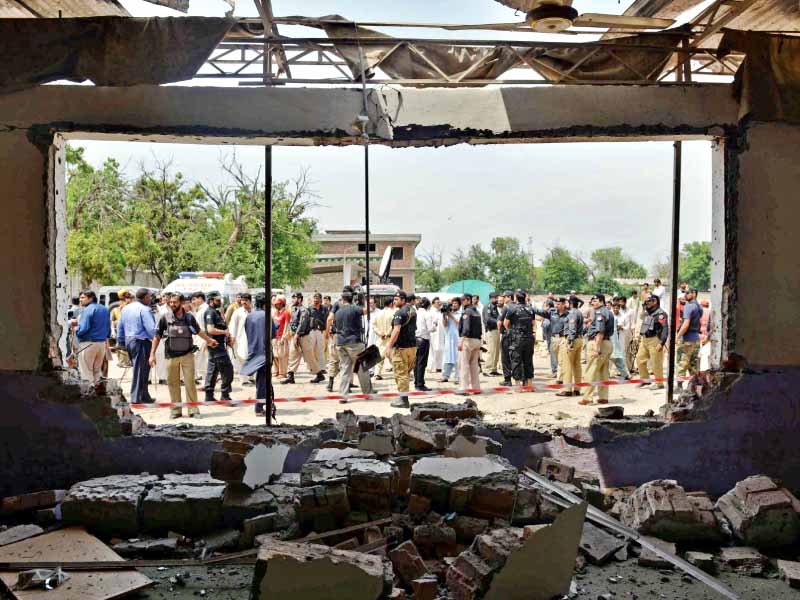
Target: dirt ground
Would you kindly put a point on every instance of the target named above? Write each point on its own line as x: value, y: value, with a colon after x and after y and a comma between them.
x: 624, y: 581
x: 528, y: 409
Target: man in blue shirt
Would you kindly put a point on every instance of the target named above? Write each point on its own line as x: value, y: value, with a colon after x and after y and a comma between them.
x: 688, y: 348
x: 136, y: 328
x: 92, y: 333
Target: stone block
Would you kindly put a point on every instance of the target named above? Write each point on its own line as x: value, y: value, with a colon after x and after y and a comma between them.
x: 225, y: 539
x: 371, y: 485
x: 556, y: 471
x: 240, y: 503
x: 16, y: 505
x: 443, y: 410
x: 468, y: 576
x: 190, y: 504
x: 527, y: 507
x: 425, y: 588
x: 322, y: 508
x: 108, y: 506
x: 648, y: 558
x: 418, y: 506
x: 496, y: 546
x: 702, y: 560
x: 19, y: 533
x: 255, y: 526
x: 407, y: 562
x: 789, y: 572
x: 227, y: 466
x: 761, y: 513
x: 290, y: 571
x: 468, y: 528
x: 744, y: 560
x: 465, y: 446
x: 48, y: 516
x: 598, y: 545
x: 663, y: 509
x: 159, y: 548
x: 379, y: 442
x: 435, y: 540
x: 418, y: 436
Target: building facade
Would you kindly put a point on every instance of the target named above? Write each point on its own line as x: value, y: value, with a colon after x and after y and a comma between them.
x: 341, y: 259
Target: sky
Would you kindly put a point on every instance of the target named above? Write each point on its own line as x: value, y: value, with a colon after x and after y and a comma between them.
x: 580, y: 195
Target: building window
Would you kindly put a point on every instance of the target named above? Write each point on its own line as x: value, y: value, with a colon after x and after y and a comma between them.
x: 397, y: 253
x: 363, y: 247
x: 398, y: 281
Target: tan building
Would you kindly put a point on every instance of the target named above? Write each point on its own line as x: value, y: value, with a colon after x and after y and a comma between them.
x: 341, y: 259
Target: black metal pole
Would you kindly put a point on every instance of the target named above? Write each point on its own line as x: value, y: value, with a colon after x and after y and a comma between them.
x: 366, y: 217
x: 268, y: 274
x: 674, y: 259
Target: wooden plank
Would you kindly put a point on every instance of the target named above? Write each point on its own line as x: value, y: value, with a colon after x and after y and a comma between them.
x: 346, y: 530
x: 66, y: 544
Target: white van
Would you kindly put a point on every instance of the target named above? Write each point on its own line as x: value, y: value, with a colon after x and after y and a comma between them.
x: 189, y: 282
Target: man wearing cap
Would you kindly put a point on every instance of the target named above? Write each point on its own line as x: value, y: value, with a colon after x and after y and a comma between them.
x: 520, y: 321
x: 558, y: 324
x: 505, y: 339
x: 382, y: 326
x: 470, y: 331
x: 349, y: 325
x: 491, y: 314
x: 688, y: 337
x: 319, y: 319
x: 219, y: 363
x: 570, y: 349
x: 300, y: 344
x: 402, y: 346
x: 654, y: 334
x: 600, y: 348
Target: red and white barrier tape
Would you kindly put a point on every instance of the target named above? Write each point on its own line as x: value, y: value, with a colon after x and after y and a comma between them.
x: 414, y: 394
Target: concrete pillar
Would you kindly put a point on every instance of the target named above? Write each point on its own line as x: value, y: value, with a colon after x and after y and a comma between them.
x: 767, y: 245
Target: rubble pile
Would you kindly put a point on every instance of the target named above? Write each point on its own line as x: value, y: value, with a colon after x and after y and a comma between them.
x: 413, y: 506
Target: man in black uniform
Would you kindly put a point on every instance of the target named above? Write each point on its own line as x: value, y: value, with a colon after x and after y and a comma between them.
x: 319, y: 318
x: 219, y: 363
x: 519, y: 320
x: 654, y: 335
x: 505, y: 339
x: 491, y: 313
x: 569, y: 351
x: 300, y: 341
x: 600, y: 348
x: 470, y: 330
x: 402, y: 346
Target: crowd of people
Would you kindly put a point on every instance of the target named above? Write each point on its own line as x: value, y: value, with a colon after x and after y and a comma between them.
x: 181, y: 340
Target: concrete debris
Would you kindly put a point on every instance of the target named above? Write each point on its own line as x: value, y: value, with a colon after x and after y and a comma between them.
x: 442, y: 410
x: 26, y: 503
x: 240, y: 503
x: 789, y: 571
x: 228, y: 466
x: 48, y: 516
x: 468, y: 528
x: 480, y: 487
x: 761, y: 513
x: 18, y: 533
x: 251, y: 528
x: 322, y: 507
x: 472, y: 446
x: 435, y: 541
x: 556, y: 471
x: 189, y: 504
x: 418, y: 506
x: 407, y: 562
x: 290, y: 571
x: 417, y: 436
x: 425, y: 588
x: 598, y: 545
x: 527, y: 508
x: 224, y: 540
x: 702, y: 560
x: 263, y: 463
x: 157, y: 548
x: 379, y: 442
x: 747, y: 561
x: 648, y: 558
x: 663, y: 509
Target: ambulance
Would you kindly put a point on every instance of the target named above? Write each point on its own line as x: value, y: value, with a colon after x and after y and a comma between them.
x: 189, y: 282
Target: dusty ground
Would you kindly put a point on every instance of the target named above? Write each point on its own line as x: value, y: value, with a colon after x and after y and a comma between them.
x: 233, y: 583
x: 527, y: 409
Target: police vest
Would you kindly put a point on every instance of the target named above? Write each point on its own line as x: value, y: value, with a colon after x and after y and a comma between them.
x: 652, y: 323
x: 470, y: 326
x: 694, y: 321
x: 521, y: 321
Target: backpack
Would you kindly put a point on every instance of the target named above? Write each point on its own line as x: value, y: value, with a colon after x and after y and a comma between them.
x: 179, y: 336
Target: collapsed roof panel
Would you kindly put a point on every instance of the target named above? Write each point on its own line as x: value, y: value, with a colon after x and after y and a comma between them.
x: 54, y: 9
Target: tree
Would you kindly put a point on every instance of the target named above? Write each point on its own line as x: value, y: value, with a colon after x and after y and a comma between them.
x: 429, y: 275
x: 695, y: 265
x: 613, y: 262
x: 509, y: 265
x: 562, y: 272
x: 469, y: 264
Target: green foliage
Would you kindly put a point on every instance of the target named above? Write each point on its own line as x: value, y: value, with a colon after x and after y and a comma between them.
x: 695, y: 265
x: 160, y: 223
x: 504, y: 265
x: 429, y: 275
x: 613, y: 262
x: 562, y: 272
x: 604, y: 284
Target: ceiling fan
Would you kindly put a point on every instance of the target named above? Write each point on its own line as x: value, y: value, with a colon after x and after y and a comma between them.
x: 555, y: 16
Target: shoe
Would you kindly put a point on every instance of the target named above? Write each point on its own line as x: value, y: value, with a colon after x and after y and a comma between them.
x: 494, y: 374
x: 576, y: 393
x: 226, y: 399
x: 564, y: 394
x: 260, y: 413
x: 601, y: 401
x: 423, y: 388
x: 641, y: 385
x: 401, y: 402
x: 379, y: 378
x: 329, y: 387
x: 247, y: 382
x: 584, y: 402
x: 318, y: 379
x: 194, y: 415
x: 172, y: 416
x: 559, y: 381
x: 656, y: 386
x: 289, y: 379
x: 506, y: 382
x: 444, y: 380
x: 162, y: 382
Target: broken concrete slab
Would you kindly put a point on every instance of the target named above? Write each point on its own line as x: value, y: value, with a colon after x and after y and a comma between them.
x: 663, y: 509
x: 702, y: 560
x: 744, y: 560
x: 425, y: 588
x: 417, y: 436
x: 322, y: 507
x: 226, y: 539
x: 379, y: 442
x: 468, y: 528
x: 240, y: 503
x: 263, y: 463
x: 598, y: 545
x: 107, y: 505
x: 789, y: 571
x: 16, y: 505
x: 435, y: 541
x: 290, y: 571
x: 371, y: 486
x: 482, y: 487
x: 761, y: 513
x: 157, y: 548
x: 407, y: 562
x: 18, y: 533
x: 228, y: 466
x: 472, y: 446
x: 648, y: 558
x: 442, y: 410
x: 190, y: 504
x: 251, y: 528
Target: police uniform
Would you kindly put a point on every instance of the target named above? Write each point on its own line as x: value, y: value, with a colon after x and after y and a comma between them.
x: 301, y: 344
x: 319, y: 318
x: 404, y: 353
x: 688, y: 348
x: 505, y: 339
x: 521, y: 317
x: 219, y: 363
x: 470, y: 331
x: 654, y: 334
x: 558, y: 323
x: 597, y: 367
x: 569, y: 356
x: 333, y: 365
x: 491, y: 313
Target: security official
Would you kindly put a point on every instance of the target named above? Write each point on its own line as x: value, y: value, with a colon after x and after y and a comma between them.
x: 654, y: 334
x: 519, y: 320
x: 505, y: 339
x: 688, y: 336
x: 301, y: 344
x: 491, y: 313
x: 558, y: 322
x: 569, y: 352
x: 600, y: 349
x: 219, y: 363
x: 470, y: 331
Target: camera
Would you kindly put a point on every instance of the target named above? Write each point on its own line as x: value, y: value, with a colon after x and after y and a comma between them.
x: 445, y: 308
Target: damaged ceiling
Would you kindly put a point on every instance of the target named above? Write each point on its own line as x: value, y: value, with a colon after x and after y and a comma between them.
x: 54, y: 9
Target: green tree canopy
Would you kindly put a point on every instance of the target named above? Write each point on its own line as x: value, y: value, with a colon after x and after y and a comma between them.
x: 695, y: 265
x: 562, y: 272
x: 613, y: 262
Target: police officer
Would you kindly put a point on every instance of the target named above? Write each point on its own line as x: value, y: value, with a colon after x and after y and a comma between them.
x: 300, y: 342
x: 519, y: 320
x: 219, y: 363
x: 319, y: 319
x: 654, y: 334
x: 470, y: 331
x: 688, y: 347
x: 491, y: 313
x: 505, y: 339
x: 569, y: 352
x: 558, y: 323
x: 600, y: 348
